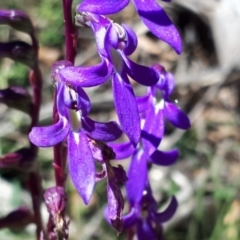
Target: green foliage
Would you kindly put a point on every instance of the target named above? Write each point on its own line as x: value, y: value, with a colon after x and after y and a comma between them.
x: 51, y: 23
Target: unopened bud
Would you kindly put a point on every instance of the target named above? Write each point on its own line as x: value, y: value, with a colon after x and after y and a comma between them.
x: 17, y: 20
x: 56, y: 200
x: 17, y: 219
x: 17, y: 98
x: 18, y: 51
x: 23, y: 160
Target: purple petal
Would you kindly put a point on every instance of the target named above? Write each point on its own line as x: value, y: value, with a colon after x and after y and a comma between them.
x: 69, y: 97
x: 158, y: 22
x: 81, y: 165
x: 168, y: 85
x: 167, y: 214
x: 132, y: 40
x: 164, y: 158
x: 62, y: 94
x: 100, y: 29
x: 57, y: 66
x: 175, y: 116
x: 103, y: 7
x: 153, y: 130
x: 130, y: 219
x: 88, y: 76
x: 144, y: 102
x: 111, y: 37
x: 83, y: 101
x: 106, y: 132
x: 126, y: 107
x: 50, y: 135
x: 122, y: 150
x: 137, y: 177
x: 145, y: 230
x: 146, y: 76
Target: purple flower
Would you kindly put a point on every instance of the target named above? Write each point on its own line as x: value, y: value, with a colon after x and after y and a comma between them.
x: 114, y: 43
x: 170, y: 111
x: 152, y: 131
x: 149, y: 11
x: 146, y: 217
x: 73, y: 107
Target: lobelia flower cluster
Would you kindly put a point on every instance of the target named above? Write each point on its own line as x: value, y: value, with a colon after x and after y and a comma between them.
x: 142, y: 118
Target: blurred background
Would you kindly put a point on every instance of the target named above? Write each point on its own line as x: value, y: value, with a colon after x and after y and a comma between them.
x: 206, y: 178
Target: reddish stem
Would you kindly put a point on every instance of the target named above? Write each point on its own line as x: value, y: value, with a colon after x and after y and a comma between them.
x: 70, y: 37
x: 70, y: 46
x: 34, y: 180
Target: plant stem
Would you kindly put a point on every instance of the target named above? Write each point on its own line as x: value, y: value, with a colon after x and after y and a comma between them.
x: 70, y: 37
x: 34, y: 180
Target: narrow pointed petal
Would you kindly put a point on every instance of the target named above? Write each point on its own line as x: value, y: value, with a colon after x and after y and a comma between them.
x: 103, y: 7
x: 81, y: 165
x: 145, y: 230
x: 176, y: 116
x: 137, y: 177
x: 144, y: 102
x: 159, y: 23
x: 167, y: 214
x: 126, y: 107
x: 153, y: 130
x: 132, y: 40
x: 87, y: 76
x: 61, y: 99
x: 146, y: 76
x: 130, y: 219
x: 50, y: 135
x: 164, y: 158
x: 122, y: 150
x: 106, y: 132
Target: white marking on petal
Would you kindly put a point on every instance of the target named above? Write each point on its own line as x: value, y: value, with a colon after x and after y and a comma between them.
x: 160, y: 105
x: 76, y: 137
x: 75, y: 120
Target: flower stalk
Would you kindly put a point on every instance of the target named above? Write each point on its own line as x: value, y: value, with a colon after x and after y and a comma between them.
x: 83, y: 143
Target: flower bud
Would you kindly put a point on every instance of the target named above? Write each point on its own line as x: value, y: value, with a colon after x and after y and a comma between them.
x: 18, y: 51
x: 17, y: 219
x: 17, y: 98
x: 17, y: 20
x: 56, y: 200
x: 23, y: 160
